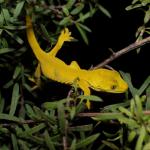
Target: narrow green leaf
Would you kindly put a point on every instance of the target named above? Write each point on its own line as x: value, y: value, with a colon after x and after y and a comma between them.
x: 83, y: 17
x: 23, y: 145
x: 80, y: 107
x: 139, y: 106
x: 10, y: 27
x: 146, y: 146
x: 132, y: 107
x: 127, y: 78
x: 72, y: 111
x: 20, y: 51
x: 4, y: 131
x: 6, y: 50
x: 90, y: 97
x: 14, y: 99
x: 132, y: 124
x: 14, y: 142
x: 44, y: 30
x: 18, y: 9
x: 82, y: 33
x: 15, y: 37
x: 131, y: 136
x: 8, y: 84
x: 6, y: 15
x: 65, y: 10
x: 70, y: 3
x: 53, y: 105
x: 104, y: 10
x: 148, y: 98
x: 110, y: 145
x: 144, y: 86
x: 116, y: 138
x: 27, y: 87
x: 73, y: 144
x: 65, y: 21
x: 133, y: 7
x: 140, y: 37
x: 48, y: 141
x: 33, y: 139
x: 147, y: 31
x: 140, y: 140
x: 145, y: 2
x: 2, y: 103
x: 41, y: 115
x: 82, y: 128
x: 139, y: 30
x: 108, y: 116
x: 85, y: 27
x: 9, y: 118
x: 1, y: 19
x: 5, y: 147
x: 101, y: 147
x: 3, y: 42
x: 2, y: 1
x: 61, y: 117
x: 78, y: 9
x: 86, y: 141
x: 25, y: 127
x: 16, y: 72
x: 82, y: 135
x: 50, y: 105
x: 114, y: 107
x: 143, y: 98
x: 125, y: 111
x: 35, y: 129
x: 1, y: 31
x: 147, y: 16
x: 134, y: 1
x: 30, y: 111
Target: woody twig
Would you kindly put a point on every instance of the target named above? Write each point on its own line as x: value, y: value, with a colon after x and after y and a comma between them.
x: 115, y: 55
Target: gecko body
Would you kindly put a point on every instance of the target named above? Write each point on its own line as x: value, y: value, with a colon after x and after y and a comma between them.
x: 53, y: 68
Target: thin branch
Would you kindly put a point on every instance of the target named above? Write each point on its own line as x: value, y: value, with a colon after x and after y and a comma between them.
x: 65, y: 142
x: 90, y: 114
x: 123, y: 51
x: 94, y: 114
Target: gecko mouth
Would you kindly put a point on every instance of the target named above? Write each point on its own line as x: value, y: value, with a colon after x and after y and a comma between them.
x: 113, y: 89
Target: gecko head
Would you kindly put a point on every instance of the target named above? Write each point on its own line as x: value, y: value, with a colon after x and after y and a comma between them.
x: 107, y: 81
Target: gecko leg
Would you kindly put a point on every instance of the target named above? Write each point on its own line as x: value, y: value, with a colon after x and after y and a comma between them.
x: 64, y: 36
x: 36, y: 79
x: 74, y: 65
x: 85, y: 87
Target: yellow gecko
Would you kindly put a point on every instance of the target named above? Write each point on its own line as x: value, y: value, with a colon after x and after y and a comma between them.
x: 53, y: 68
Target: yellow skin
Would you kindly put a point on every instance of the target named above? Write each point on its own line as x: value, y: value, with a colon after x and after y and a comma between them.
x: 57, y: 70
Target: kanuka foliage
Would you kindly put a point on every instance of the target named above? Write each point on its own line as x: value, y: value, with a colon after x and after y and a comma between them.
x: 59, y: 124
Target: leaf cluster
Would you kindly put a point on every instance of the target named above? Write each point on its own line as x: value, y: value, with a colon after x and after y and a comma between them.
x: 133, y: 117
x: 144, y: 29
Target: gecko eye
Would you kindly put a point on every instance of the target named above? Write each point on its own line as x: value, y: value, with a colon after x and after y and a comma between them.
x: 113, y: 87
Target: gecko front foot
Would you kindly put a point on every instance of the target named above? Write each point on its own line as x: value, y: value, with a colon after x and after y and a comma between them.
x: 65, y: 35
